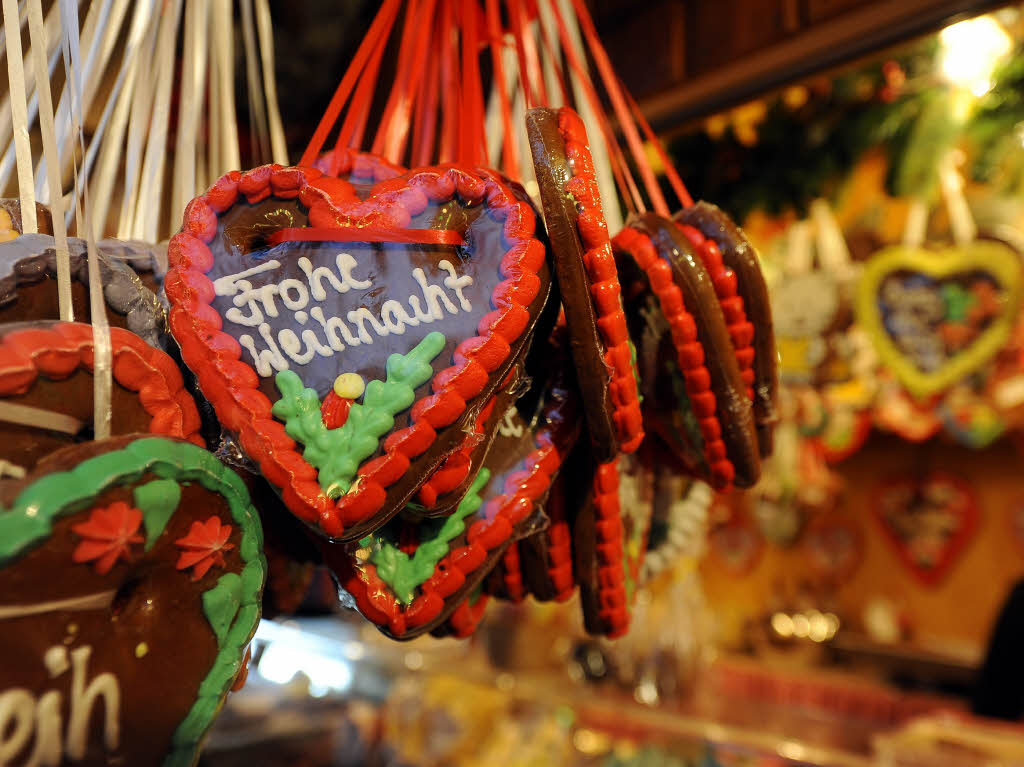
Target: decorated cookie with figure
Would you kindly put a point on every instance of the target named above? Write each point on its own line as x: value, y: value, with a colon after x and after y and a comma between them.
x: 695, y: 395
x: 131, y: 573
x: 46, y: 391
x: 351, y: 337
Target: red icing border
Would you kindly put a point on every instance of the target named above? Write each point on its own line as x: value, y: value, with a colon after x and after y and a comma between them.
x: 455, y: 469
x: 232, y: 385
x: 58, y: 350
x: 741, y: 330
x: 613, y: 611
x: 690, y: 352
x: 466, y: 617
x: 495, y: 524
x: 605, y: 290
x: 358, y: 167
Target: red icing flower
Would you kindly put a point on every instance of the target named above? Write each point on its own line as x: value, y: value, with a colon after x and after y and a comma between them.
x: 108, y: 535
x: 204, y: 546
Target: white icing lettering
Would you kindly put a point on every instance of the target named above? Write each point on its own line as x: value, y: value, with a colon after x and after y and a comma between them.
x: 302, y: 295
x: 508, y: 426
x: 254, y: 306
x: 360, y: 316
x: 396, y: 317
x: 21, y: 714
x: 225, y: 286
x: 17, y: 719
x: 433, y: 295
x: 83, y: 697
x: 331, y: 327
x: 454, y: 282
x: 346, y: 263
x: 266, y: 360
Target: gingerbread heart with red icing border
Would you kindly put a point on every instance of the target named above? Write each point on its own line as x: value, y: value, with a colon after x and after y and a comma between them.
x: 409, y: 576
x: 46, y: 391
x: 400, y: 314
x: 588, y: 278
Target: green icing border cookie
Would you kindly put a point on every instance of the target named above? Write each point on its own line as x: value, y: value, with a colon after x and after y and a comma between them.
x: 29, y: 521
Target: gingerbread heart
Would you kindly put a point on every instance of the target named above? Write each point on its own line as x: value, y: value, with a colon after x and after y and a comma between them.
x: 587, y: 276
x: 291, y: 295
x: 928, y: 520
x: 131, y: 572
x: 411, y: 575
x: 694, y: 395
x: 743, y: 295
x: 46, y: 391
x: 936, y: 316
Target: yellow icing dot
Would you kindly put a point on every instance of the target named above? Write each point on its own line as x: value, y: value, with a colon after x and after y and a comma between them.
x: 72, y: 628
x: 349, y: 386
x: 141, y: 650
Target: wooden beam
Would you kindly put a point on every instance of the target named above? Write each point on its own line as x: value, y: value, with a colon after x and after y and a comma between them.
x: 828, y: 44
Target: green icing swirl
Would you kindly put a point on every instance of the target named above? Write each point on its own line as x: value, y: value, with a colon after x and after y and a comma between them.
x: 404, y: 574
x: 29, y: 522
x: 337, y: 453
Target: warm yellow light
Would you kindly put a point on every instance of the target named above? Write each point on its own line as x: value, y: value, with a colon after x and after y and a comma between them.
x: 782, y: 625
x: 970, y: 51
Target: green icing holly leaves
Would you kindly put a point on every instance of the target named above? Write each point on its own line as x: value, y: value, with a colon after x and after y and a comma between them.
x: 404, y: 574
x: 157, y: 501
x: 337, y: 453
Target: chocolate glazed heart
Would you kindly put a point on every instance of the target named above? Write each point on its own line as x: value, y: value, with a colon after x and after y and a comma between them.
x: 283, y: 280
x: 131, y: 573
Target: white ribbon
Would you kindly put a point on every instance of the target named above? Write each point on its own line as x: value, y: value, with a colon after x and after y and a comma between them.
x: 833, y: 253
x: 279, y: 148
x: 37, y: 52
x: 19, y: 113
x: 916, y: 227
x: 102, y: 375
x: 961, y: 222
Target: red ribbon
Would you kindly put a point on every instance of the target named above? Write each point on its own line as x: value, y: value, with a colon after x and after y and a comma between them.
x: 366, y: 234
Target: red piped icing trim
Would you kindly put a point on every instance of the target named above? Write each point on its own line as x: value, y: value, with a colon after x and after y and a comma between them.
x: 455, y: 469
x: 605, y: 290
x: 357, y: 167
x: 741, y: 330
x: 232, y: 385
x: 558, y: 542
x: 690, y: 352
x: 466, y: 617
x: 58, y: 350
x: 611, y: 574
x: 493, y: 528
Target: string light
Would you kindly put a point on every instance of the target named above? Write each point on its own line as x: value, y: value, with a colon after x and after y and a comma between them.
x: 970, y: 51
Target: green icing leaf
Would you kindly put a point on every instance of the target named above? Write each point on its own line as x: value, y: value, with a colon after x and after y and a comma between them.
x: 404, y: 574
x: 338, y: 453
x: 221, y: 603
x: 157, y: 501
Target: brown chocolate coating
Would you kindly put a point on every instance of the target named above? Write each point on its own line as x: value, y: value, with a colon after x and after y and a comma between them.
x: 560, y: 215
x: 741, y: 256
x: 153, y: 636
x: 732, y: 407
x: 389, y: 267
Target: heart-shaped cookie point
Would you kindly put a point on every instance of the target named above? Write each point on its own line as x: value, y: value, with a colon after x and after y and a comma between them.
x: 936, y: 316
x: 588, y: 280
x: 131, y: 573
x: 427, y: 289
